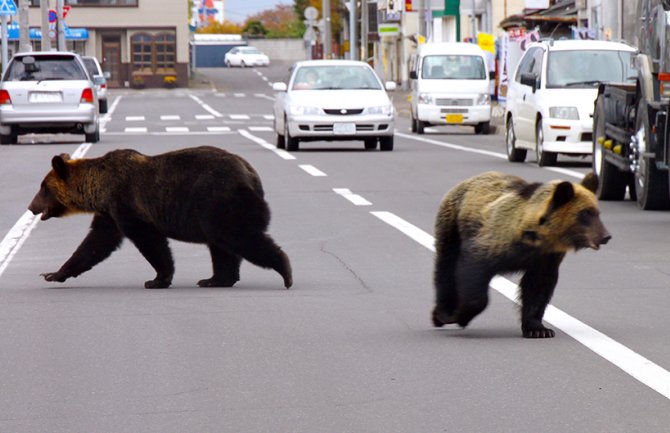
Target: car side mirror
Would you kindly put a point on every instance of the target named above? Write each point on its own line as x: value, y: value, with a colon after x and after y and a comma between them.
x: 279, y: 86
x: 529, y: 80
x: 413, y: 75
x: 390, y: 86
x: 107, y: 75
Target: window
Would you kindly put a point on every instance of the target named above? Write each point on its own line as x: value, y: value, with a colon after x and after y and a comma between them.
x: 154, y: 53
x: 165, y: 45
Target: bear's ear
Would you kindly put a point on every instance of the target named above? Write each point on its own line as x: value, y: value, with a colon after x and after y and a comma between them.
x: 61, y: 167
x: 65, y: 156
x: 563, y: 193
x: 590, y: 182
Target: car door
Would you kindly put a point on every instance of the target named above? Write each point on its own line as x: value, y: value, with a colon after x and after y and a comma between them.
x: 526, y: 106
x: 515, y: 91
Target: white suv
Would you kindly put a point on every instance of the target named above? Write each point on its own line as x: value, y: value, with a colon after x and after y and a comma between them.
x: 551, y: 96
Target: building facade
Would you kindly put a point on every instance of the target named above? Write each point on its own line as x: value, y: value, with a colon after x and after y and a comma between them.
x: 139, y: 42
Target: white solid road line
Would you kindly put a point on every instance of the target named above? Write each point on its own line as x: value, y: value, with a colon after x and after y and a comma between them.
x: 642, y: 369
x: 312, y: 170
x: 18, y: 234
x: 565, y: 171
x: 354, y: 198
x: 205, y: 106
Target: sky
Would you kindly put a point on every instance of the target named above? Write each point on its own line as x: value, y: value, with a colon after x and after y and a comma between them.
x: 239, y: 10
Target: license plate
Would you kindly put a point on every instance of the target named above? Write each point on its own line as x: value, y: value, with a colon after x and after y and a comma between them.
x: 344, y: 128
x: 454, y: 118
x: 45, y: 97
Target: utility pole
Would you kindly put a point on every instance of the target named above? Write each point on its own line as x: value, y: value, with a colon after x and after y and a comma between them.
x: 24, y: 27
x: 353, y: 39
x: 60, y: 25
x: 422, y: 18
x: 364, y: 30
x: 46, y: 39
x: 327, y: 44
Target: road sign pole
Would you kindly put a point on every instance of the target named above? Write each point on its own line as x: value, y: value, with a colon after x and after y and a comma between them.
x: 24, y: 27
x: 46, y: 40
x: 60, y: 25
x: 5, y: 56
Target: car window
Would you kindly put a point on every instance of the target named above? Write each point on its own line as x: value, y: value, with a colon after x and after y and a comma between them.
x: 91, y: 67
x: 251, y: 51
x: 50, y: 67
x: 453, y: 67
x: 526, y: 63
x: 587, y: 68
x: 335, y: 77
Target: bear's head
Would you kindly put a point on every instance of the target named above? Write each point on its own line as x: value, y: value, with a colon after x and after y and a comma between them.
x: 567, y: 219
x: 54, y: 199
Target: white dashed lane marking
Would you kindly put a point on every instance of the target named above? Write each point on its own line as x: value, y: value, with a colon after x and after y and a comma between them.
x: 354, y: 198
x: 312, y: 170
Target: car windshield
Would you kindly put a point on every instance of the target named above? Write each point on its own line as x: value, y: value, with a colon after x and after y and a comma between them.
x: 453, y: 67
x: 250, y: 51
x: 335, y: 77
x: 587, y: 68
x: 91, y: 67
x: 51, y: 67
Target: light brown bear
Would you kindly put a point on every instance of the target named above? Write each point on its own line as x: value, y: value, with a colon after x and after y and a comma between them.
x: 496, y: 223
x: 202, y: 195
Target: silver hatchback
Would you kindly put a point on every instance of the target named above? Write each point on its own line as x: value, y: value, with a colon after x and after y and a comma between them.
x: 47, y: 92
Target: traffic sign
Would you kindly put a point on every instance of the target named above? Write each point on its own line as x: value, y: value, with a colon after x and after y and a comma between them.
x: 7, y: 7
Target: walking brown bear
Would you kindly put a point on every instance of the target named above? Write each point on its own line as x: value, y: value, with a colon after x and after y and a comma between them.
x: 201, y: 195
x: 497, y: 223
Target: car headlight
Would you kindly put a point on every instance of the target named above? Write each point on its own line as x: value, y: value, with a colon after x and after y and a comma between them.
x: 484, y: 99
x: 385, y: 110
x: 302, y: 110
x: 570, y: 113
x: 425, y: 98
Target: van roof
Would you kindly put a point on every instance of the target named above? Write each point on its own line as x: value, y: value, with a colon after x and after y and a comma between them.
x: 450, y: 48
x: 577, y: 44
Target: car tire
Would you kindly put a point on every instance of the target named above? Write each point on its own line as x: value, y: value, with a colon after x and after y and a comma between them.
x: 228, y: 65
x: 93, y: 137
x: 651, y: 184
x: 370, y: 143
x: 544, y: 159
x: 483, y: 128
x: 280, y: 141
x: 103, y: 106
x: 513, y: 154
x: 292, y: 144
x: 242, y: 64
x: 420, y: 126
x: 612, y: 182
x: 413, y: 122
x: 8, y: 139
x: 386, y: 143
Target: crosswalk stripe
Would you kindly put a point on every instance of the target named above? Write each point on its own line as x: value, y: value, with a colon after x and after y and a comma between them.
x: 176, y: 129
x: 239, y: 116
x: 139, y: 129
x: 218, y: 128
x: 134, y: 118
x: 171, y: 117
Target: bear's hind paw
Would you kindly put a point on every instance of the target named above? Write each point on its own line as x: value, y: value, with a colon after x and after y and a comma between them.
x: 539, y: 332
x: 157, y: 284
x: 440, y: 318
x: 211, y: 282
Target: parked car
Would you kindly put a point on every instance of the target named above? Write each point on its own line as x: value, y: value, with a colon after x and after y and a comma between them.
x: 333, y: 100
x: 450, y: 86
x: 551, y: 96
x: 99, y: 79
x: 245, y: 56
x: 47, y: 92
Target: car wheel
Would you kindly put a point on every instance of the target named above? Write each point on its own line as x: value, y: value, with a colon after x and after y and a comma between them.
x: 103, y: 106
x: 228, y: 65
x: 420, y: 125
x: 280, y: 142
x: 292, y: 144
x: 93, y: 137
x: 513, y: 154
x: 370, y: 143
x: 242, y: 64
x: 544, y: 159
x: 413, y: 121
x: 651, y: 184
x: 483, y: 128
x: 612, y: 182
x: 8, y: 139
x: 386, y: 143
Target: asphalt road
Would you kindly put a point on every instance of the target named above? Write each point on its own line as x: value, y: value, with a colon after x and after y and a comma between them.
x: 350, y: 348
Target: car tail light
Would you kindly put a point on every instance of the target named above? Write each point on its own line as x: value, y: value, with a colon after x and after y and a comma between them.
x: 87, y: 95
x: 664, y: 81
x: 4, y: 97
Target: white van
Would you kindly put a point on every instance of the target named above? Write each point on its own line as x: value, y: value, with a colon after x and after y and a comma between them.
x: 450, y: 86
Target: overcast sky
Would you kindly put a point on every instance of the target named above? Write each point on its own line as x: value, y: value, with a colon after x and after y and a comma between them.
x: 239, y: 10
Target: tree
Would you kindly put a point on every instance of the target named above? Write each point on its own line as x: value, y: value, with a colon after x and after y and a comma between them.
x: 280, y: 22
x: 254, y: 29
x: 227, y: 27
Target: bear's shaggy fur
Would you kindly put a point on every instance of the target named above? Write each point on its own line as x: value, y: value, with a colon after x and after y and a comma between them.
x: 497, y: 223
x: 201, y: 195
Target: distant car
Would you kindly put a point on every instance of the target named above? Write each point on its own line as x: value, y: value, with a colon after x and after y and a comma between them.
x: 245, y: 56
x: 551, y: 97
x: 99, y: 79
x: 47, y: 92
x: 333, y: 100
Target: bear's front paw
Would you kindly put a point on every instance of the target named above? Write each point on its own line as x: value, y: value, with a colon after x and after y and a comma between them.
x: 157, y: 284
x: 54, y: 276
x: 211, y: 282
x: 538, y: 332
x: 441, y: 318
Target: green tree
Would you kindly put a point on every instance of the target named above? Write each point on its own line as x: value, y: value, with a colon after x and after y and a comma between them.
x: 254, y: 29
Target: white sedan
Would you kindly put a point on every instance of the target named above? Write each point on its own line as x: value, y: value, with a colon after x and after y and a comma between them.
x: 245, y: 56
x: 333, y: 100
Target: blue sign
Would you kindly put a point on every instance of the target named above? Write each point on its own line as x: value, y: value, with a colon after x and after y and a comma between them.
x: 7, y: 7
x: 71, y: 34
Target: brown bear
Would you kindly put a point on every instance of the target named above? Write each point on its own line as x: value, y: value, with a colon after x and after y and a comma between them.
x: 497, y: 223
x: 201, y: 195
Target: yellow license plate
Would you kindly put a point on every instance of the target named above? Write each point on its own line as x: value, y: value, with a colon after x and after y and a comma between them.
x: 454, y: 118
